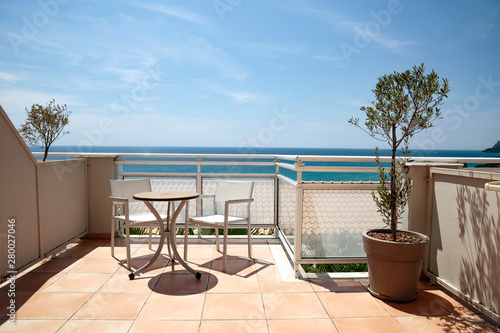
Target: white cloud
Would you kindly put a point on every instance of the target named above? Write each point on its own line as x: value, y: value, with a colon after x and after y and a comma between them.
x: 173, y: 12
x: 14, y: 101
x: 237, y: 96
x: 8, y: 78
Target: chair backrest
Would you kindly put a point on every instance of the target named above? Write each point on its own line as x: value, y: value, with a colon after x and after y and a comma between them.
x: 127, y: 188
x: 230, y: 189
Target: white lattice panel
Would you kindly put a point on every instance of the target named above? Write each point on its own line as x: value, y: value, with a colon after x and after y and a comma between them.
x: 333, y: 221
x: 287, y: 210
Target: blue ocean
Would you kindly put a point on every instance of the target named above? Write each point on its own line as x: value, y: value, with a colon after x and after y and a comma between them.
x: 253, y: 152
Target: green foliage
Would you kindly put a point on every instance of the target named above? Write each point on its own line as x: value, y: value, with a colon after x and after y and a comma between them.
x: 44, y: 125
x: 405, y: 104
x: 335, y: 268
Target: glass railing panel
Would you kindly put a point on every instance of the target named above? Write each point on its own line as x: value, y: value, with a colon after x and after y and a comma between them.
x: 261, y: 209
x: 333, y: 221
x: 287, y: 210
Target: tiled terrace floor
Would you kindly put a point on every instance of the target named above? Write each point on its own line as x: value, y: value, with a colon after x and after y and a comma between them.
x: 84, y: 289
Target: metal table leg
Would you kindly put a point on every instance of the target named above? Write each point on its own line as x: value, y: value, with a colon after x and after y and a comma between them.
x: 171, y: 240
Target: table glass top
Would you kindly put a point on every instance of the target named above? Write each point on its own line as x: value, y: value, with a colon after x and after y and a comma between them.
x: 165, y: 195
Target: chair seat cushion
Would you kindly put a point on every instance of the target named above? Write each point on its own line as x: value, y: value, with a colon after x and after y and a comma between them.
x: 142, y: 218
x: 216, y: 220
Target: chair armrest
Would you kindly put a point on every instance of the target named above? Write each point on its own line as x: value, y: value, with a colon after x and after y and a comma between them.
x: 206, y: 196
x: 118, y: 199
x: 238, y: 201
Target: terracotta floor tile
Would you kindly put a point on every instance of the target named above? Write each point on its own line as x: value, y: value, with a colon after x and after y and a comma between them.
x: 233, y: 250
x: 79, y: 282
x: 148, y: 326
x: 273, y: 283
x: 352, y: 305
x: 265, y: 267
x: 112, y: 306
x: 85, y: 289
x: 238, y: 266
x: 38, y: 326
x: 144, y: 252
x: 101, y: 326
x: 293, y: 306
x: 36, y: 281
x: 92, y: 242
x: 262, y: 252
x: 52, y: 305
x: 302, y: 325
x: 233, y: 307
x: 368, y: 325
x: 364, y: 282
x: 122, y: 241
x: 448, y: 324
x: 76, y: 251
x: 174, y: 267
x: 57, y: 265
x: 120, y: 283
x: 98, y: 265
x: 197, y: 251
x: 227, y: 283
x: 185, y: 283
x: 174, y: 307
x: 338, y: 286
x: 137, y: 262
x: 422, y: 306
x: 218, y: 326
x: 449, y: 302
x: 20, y: 298
x: 120, y: 252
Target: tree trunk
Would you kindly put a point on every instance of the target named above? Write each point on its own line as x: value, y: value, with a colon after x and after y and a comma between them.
x: 393, y: 197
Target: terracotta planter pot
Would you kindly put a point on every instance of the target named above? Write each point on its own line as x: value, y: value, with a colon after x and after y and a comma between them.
x: 394, y: 268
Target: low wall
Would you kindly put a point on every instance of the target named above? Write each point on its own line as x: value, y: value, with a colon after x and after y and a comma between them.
x: 42, y: 204
x: 464, y: 228
x: 18, y: 199
x: 62, y: 201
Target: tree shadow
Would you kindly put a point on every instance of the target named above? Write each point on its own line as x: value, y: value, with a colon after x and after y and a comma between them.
x: 479, y: 233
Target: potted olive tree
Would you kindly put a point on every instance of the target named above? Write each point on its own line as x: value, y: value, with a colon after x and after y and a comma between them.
x: 405, y: 104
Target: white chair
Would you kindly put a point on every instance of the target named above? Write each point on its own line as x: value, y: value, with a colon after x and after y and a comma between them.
x: 121, y: 194
x: 228, y: 193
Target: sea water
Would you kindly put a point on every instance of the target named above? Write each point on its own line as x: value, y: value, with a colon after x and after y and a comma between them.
x: 253, y: 152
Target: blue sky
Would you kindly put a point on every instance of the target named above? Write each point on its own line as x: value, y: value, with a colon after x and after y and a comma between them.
x: 260, y: 73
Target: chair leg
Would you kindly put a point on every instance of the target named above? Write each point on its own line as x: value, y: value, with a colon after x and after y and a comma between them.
x: 224, y: 253
x: 150, y: 235
x: 217, y: 239
x: 112, y: 237
x: 186, y: 234
x: 127, y: 238
x: 249, y: 241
